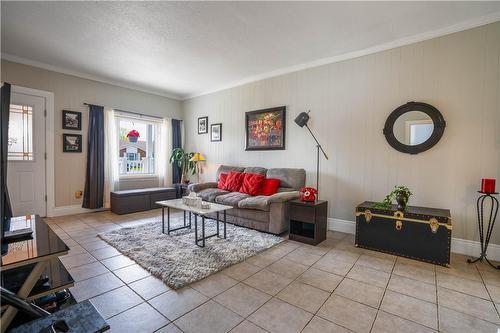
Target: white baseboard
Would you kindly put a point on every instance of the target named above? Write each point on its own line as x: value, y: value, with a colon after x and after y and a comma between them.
x: 458, y: 245
x: 71, y: 210
x: 349, y: 227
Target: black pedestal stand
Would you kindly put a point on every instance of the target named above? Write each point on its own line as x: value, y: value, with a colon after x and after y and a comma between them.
x: 489, y: 229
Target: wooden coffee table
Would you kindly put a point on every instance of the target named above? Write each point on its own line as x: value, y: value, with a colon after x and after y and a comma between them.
x: 201, y: 212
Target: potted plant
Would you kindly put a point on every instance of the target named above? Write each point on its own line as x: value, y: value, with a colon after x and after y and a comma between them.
x: 182, y: 159
x: 133, y: 136
x: 400, y: 193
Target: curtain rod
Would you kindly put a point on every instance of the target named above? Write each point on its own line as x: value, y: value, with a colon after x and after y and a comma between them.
x: 136, y: 113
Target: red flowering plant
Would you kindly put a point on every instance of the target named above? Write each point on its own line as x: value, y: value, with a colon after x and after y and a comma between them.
x: 133, y: 136
x: 133, y: 133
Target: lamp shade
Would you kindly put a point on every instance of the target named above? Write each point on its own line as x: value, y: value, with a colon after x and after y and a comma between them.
x: 302, y: 119
x: 197, y: 157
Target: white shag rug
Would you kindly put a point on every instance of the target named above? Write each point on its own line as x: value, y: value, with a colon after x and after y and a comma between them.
x: 176, y: 259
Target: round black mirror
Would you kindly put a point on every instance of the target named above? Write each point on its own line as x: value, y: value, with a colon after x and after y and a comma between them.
x: 414, y: 127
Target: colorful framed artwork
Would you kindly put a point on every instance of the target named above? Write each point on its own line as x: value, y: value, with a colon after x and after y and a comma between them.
x: 72, y: 120
x: 72, y: 143
x: 216, y: 132
x: 203, y: 125
x: 265, y: 129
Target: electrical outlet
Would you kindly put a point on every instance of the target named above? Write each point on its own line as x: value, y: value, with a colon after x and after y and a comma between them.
x: 78, y: 194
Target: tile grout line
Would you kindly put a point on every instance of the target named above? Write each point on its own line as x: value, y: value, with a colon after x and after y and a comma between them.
x: 437, y: 299
x: 274, y: 296
x: 125, y: 284
x: 383, y: 296
x: 488, y: 291
x: 94, y: 228
x: 343, y: 278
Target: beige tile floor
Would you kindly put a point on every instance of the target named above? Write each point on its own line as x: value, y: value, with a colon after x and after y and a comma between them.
x: 292, y: 287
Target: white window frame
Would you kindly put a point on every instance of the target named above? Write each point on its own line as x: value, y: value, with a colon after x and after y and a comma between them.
x: 409, y: 123
x: 121, y: 115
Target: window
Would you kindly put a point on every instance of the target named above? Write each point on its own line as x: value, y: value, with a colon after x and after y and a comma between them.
x: 136, y: 153
x: 20, y: 141
x: 418, y: 131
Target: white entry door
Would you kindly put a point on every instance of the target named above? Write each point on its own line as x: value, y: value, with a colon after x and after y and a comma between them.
x: 26, y: 155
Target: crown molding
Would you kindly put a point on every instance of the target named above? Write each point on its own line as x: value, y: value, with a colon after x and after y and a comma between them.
x: 57, y: 69
x: 462, y: 26
x: 465, y: 25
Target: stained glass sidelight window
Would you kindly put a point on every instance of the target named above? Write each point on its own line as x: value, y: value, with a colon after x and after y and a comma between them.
x: 20, y: 141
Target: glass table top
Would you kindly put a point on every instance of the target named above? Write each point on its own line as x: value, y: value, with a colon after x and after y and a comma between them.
x: 43, y: 243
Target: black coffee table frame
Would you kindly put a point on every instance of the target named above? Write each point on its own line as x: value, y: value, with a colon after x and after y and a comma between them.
x: 188, y: 225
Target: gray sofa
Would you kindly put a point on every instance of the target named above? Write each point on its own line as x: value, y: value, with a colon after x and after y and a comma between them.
x: 265, y: 213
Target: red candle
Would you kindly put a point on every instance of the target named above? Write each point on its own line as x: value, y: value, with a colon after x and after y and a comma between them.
x: 488, y: 185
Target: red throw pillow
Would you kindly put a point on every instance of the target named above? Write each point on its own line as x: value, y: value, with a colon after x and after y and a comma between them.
x: 222, y: 181
x: 252, y: 183
x: 233, y: 181
x: 270, y: 186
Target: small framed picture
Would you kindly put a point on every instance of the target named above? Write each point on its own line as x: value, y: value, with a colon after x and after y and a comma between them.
x: 216, y: 132
x: 72, y: 143
x: 203, y: 125
x: 72, y: 120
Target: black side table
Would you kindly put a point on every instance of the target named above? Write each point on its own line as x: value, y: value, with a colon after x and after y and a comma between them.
x: 485, y: 239
x: 308, y: 221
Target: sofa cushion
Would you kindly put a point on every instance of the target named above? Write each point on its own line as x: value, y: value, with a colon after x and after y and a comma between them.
x: 295, y: 178
x: 252, y: 183
x: 209, y: 194
x: 263, y: 202
x: 227, y: 169
x: 231, y: 199
x: 270, y: 186
x: 233, y: 181
x: 257, y: 170
x: 222, y: 181
x: 258, y: 202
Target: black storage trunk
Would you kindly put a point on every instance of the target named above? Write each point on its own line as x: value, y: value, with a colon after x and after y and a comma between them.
x: 131, y: 201
x: 418, y: 233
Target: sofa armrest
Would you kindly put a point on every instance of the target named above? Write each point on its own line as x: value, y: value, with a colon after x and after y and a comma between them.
x: 283, y: 196
x: 201, y: 186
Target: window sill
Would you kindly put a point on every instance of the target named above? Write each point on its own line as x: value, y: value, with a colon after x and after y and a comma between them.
x: 138, y: 176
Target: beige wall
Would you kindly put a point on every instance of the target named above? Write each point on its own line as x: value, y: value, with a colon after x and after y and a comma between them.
x: 70, y: 93
x: 349, y: 102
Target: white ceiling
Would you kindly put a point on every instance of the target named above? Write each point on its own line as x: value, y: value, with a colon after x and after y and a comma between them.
x: 185, y: 49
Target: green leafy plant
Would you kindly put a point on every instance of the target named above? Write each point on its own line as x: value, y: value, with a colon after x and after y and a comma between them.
x: 401, y: 191
x: 182, y: 159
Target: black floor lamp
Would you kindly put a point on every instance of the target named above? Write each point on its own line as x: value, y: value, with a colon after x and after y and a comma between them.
x: 302, y: 120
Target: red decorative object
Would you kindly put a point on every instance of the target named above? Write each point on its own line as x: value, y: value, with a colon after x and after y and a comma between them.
x: 308, y: 193
x: 488, y: 185
x: 270, y: 186
x: 252, y: 183
x: 234, y: 181
x: 222, y: 181
x: 133, y: 135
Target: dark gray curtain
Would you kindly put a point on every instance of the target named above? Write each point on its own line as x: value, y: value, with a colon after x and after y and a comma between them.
x: 6, y: 208
x: 93, y: 196
x: 176, y: 143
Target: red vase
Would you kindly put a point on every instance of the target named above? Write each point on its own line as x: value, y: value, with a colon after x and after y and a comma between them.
x: 488, y: 185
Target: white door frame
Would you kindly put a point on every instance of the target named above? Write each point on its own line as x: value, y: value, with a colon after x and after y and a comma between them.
x: 49, y: 141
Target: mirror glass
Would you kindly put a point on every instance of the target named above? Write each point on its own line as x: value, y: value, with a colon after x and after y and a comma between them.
x: 413, y: 128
